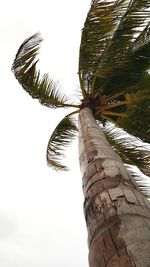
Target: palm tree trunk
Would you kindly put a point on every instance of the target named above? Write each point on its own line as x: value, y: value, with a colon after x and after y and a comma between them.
x: 117, y: 214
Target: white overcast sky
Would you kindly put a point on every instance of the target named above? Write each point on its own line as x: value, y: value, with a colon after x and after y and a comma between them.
x: 41, y: 216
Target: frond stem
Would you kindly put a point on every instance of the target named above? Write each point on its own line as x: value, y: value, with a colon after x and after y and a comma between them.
x: 109, y: 106
x: 72, y: 113
x: 114, y: 114
x: 71, y: 106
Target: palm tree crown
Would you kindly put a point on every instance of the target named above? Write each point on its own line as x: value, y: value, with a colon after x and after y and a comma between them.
x: 114, y: 76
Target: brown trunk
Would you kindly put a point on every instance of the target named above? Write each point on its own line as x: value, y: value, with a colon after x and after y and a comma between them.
x: 117, y: 214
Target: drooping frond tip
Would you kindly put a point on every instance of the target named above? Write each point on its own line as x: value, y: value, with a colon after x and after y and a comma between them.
x: 26, y: 54
x: 24, y: 68
x: 61, y: 137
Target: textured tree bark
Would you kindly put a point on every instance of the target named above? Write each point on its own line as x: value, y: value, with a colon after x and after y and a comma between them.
x: 117, y: 214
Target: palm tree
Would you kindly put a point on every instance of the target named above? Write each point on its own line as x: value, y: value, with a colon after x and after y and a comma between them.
x: 114, y: 63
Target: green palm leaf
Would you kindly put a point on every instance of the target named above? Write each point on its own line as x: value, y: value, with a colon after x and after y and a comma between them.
x: 129, y: 72
x: 137, y: 121
x: 63, y: 134
x: 99, y: 27
x: 143, y: 38
x: 111, y: 50
x: 130, y: 149
x: 131, y: 25
x: 141, y: 180
x: 24, y: 68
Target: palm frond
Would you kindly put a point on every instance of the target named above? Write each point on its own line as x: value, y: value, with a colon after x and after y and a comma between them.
x: 137, y: 121
x: 130, y: 149
x: 131, y: 71
x: 101, y: 21
x: 143, y: 39
x: 131, y: 77
x: 111, y: 51
x: 141, y: 180
x: 24, y: 68
x: 131, y: 25
x: 63, y: 134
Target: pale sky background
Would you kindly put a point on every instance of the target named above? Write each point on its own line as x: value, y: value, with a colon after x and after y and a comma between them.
x: 41, y: 214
